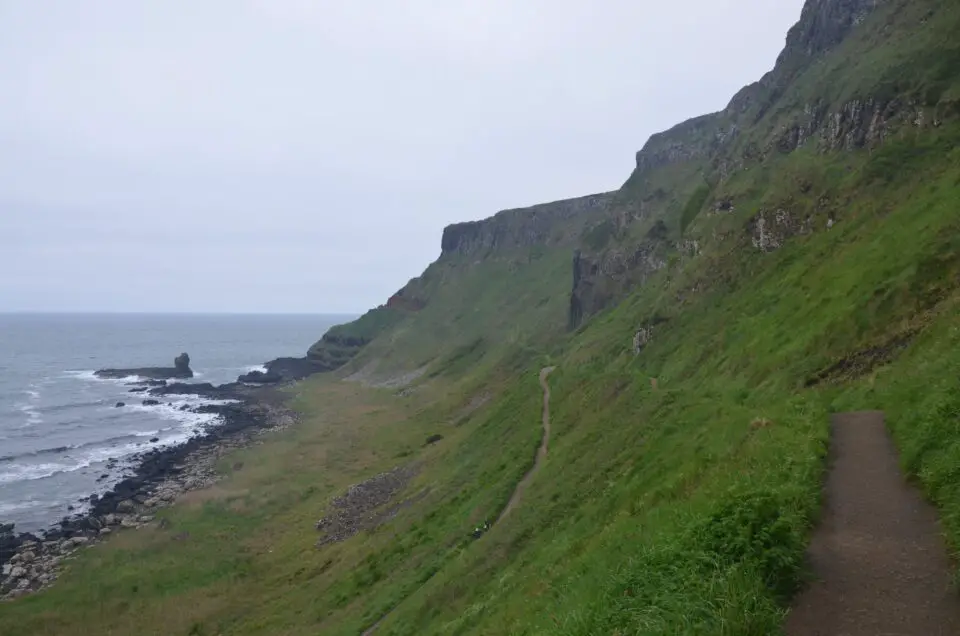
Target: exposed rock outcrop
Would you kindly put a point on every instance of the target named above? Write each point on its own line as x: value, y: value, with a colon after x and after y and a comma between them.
x: 601, y: 278
x: 641, y: 339
x: 289, y: 369
x: 260, y: 377
x: 713, y: 147
x: 405, y: 301
x: 537, y: 225
x: 693, y: 139
x: 768, y: 231
x: 824, y: 24
x: 336, y: 349
x: 179, y: 370
x: 182, y: 363
x: 361, y: 507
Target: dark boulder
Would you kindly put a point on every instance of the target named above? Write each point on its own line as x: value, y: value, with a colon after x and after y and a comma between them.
x: 151, y: 402
x: 9, y: 542
x: 120, y: 404
x: 145, y: 385
x: 285, y: 370
x: 259, y: 377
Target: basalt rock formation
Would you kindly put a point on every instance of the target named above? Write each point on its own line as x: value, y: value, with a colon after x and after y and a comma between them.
x: 179, y: 370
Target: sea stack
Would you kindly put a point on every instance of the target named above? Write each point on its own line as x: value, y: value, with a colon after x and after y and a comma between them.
x: 179, y: 370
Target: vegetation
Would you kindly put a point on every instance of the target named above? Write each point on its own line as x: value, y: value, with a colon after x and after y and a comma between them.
x: 599, y: 235
x: 675, y: 506
x: 693, y: 207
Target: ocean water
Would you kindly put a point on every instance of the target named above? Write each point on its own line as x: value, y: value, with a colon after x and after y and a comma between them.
x: 58, y: 423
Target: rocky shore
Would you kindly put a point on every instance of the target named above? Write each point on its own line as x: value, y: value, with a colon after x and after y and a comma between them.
x: 30, y: 562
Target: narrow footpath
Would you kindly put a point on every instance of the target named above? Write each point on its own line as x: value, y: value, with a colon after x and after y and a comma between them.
x: 541, y: 453
x: 878, y: 556
x: 522, y: 485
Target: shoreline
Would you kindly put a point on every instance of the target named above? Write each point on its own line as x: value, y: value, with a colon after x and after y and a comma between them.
x: 31, y: 562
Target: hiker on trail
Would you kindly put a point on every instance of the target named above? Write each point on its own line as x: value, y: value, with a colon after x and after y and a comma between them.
x: 479, y: 530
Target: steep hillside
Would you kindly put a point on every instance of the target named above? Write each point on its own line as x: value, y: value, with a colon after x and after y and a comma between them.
x: 795, y: 254
x: 498, y: 284
x: 854, y: 75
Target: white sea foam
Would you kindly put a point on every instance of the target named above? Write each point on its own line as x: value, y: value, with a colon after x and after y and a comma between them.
x: 103, y: 454
x: 256, y: 367
x: 188, y: 424
x: 30, y: 408
x: 81, y: 375
x: 68, y: 463
x: 92, y: 376
x: 33, y: 416
x: 27, y: 472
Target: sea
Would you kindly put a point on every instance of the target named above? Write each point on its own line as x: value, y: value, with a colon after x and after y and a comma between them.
x: 59, y: 424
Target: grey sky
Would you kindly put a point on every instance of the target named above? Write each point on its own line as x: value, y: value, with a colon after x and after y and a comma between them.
x: 298, y: 155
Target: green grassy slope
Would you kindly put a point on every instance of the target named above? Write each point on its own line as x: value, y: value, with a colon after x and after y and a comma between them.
x: 680, y: 507
x: 499, y: 285
x: 684, y: 510
x: 476, y: 309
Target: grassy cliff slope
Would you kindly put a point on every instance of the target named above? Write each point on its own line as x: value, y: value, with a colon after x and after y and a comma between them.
x: 795, y: 254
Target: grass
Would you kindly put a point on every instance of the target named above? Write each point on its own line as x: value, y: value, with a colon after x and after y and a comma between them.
x: 681, y: 483
x: 516, y: 300
x: 658, y: 510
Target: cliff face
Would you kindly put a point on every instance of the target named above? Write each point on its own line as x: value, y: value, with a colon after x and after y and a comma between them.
x: 815, y: 99
x: 556, y: 223
x: 807, y: 236
x: 693, y: 139
x: 835, y: 87
x: 823, y: 25
x: 491, y: 248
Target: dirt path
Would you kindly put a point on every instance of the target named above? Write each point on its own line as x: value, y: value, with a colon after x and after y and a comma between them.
x: 878, y: 555
x: 541, y: 453
x: 522, y: 486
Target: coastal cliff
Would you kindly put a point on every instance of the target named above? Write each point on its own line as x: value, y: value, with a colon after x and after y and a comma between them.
x: 794, y: 255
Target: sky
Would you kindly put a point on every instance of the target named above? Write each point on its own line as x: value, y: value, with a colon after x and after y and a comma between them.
x: 305, y: 155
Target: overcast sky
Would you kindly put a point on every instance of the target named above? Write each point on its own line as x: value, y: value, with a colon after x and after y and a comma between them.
x: 305, y: 155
